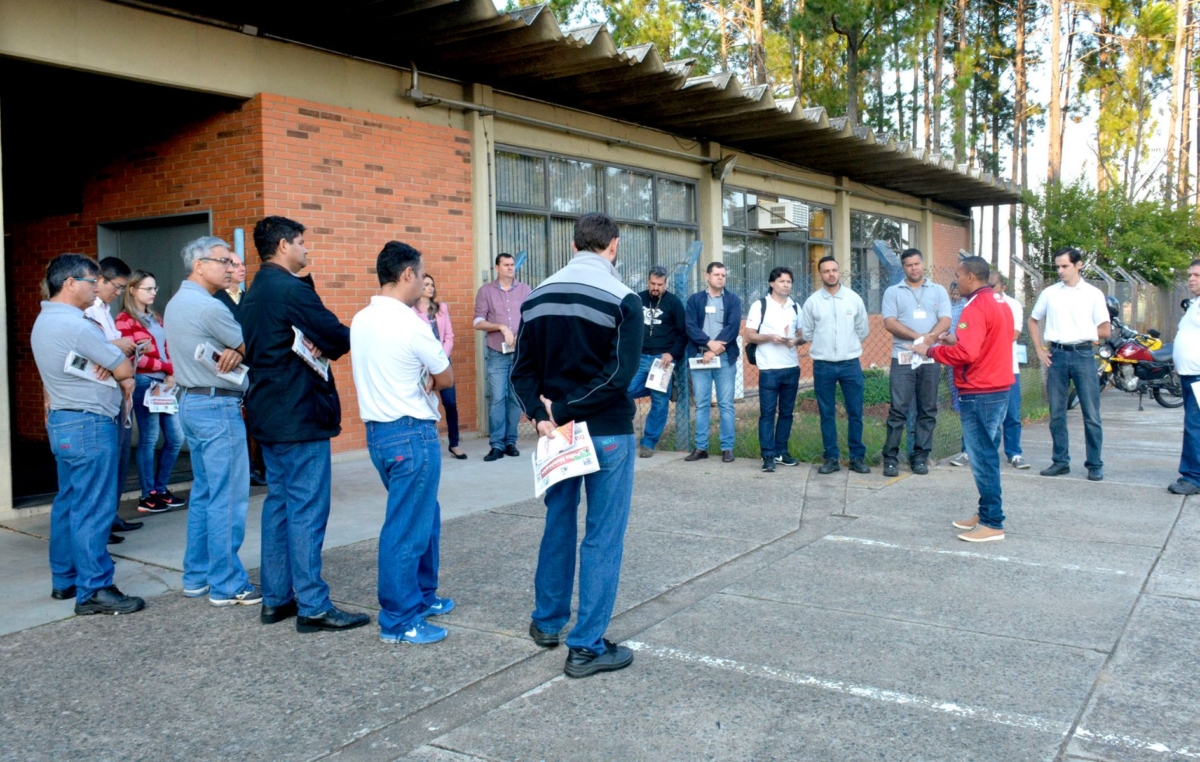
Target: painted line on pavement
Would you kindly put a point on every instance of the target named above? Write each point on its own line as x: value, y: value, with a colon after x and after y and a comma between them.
x: 972, y: 554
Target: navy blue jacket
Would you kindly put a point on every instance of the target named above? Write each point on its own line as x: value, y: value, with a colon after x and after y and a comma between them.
x: 694, y: 318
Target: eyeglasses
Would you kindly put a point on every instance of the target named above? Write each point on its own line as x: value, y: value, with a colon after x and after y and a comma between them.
x: 147, y: 288
x: 85, y: 280
x: 225, y: 262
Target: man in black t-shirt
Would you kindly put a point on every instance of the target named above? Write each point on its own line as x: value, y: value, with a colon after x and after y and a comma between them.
x: 664, y: 337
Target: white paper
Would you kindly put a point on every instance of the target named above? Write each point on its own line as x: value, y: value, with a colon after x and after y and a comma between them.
x: 431, y: 398
x: 696, y: 363
x: 1022, y: 353
x: 567, y: 454
x: 910, y: 358
x: 320, y: 365
x: 659, y: 377
x: 78, y: 365
x: 506, y: 348
x: 160, y: 400
x: 210, y: 356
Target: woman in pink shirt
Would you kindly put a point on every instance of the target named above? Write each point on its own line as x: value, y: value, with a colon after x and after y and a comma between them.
x: 438, y: 315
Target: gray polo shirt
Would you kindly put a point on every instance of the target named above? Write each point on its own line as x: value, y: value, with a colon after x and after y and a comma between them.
x: 917, y: 308
x: 836, y: 324
x: 59, y: 330
x: 714, y: 314
x: 193, y: 317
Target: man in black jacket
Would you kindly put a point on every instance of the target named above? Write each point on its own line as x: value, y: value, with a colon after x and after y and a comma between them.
x: 293, y: 411
x: 664, y: 338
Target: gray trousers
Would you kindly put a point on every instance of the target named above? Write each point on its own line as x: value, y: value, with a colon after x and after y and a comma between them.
x: 908, y: 388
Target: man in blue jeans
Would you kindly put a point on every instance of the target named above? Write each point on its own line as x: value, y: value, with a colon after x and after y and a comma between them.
x: 398, y: 365
x: 210, y: 410
x: 773, y: 324
x: 498, y: 315
x: 82, y: 421
x: 1012, y: 419
x: 575, y: 365
x: 664, y: 339
x: 834, y: 319
x: 1187, y: 365
x: 980, y: 351
x: 293, y: 411
x: 714, y: 318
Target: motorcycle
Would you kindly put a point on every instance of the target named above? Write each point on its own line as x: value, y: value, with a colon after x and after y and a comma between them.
x: 1136, y: 363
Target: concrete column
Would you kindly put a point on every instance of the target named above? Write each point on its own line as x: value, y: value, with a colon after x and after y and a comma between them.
x: 708, y: 194
x: 6, y: 492
x: 483, y: 221
x: 925, y: 235
x: 841, y: 224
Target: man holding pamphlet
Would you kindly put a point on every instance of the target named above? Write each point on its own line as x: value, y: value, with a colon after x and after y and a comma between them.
x: 578, y: 348
x: 664, y: 339
x: 207, y: 356
x: 293, y: 410
x: 773, y: 329
x: 713, y: 319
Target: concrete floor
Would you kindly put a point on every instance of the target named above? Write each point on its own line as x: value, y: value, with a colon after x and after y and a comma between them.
x: 786, y: 616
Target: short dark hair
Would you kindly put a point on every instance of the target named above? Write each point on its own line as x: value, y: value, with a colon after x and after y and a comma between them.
x: 658, y: 271
x: 504, y: 255
x: 1072, y: 252
x: 395, y: 258
x: 827, y: 258
x: 976, y: 266
x: 66, y: 266
x: 112, y: 268
x: 774, y: 276
x: 269, y: 231
x: 910, y: 253
x: 1195, y: 263
x: 713, y: 266
x: 594, y: 232
x: 999, y: 276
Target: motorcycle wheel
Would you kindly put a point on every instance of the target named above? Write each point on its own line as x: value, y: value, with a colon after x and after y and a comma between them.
x: 1171, y: 394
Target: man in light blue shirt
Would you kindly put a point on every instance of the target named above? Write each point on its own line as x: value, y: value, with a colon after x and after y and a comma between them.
x: 913, y: 309
x: 834, y: 319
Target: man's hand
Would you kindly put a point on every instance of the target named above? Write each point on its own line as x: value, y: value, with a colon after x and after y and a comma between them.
x: 167, y: 384
x: 708, y: 357
x: 946, y: 338
x: 311, y: 347
x: 666, y: 359
x: 922, y: 349
x: 1044, y: 355
x: 229, y: 360
x: 126, y: 345
x: 103, y: 374
x: 716, y: 347
x: 429, y: 384
x: 549, y: 409
x: 546, y: 429
x: 507, y: 333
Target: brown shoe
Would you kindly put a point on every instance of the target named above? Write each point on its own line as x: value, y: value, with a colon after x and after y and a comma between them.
x: 645, y: 452
x: 982, y: 534
x: 727, y: 456
x: 970, y: 523
x: 697, y: 455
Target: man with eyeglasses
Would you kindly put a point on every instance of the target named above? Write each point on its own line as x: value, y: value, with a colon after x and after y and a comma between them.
x: 210, y: 409
x: 232, y: 297
x: 114, y: 277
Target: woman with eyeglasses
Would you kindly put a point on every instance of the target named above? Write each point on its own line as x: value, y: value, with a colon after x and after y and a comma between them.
x: 140, y: 323
x: 438, y: 315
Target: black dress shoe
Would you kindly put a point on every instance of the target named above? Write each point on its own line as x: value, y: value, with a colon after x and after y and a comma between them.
x: 494, y: 454
x: 584, y: 663
x: 890, y: 468
x: 110, y: 600
x: 257, y: 479
x: 542, y: 638
x: 697, y: 455
x: 273, y: 614
x: 512, y: 451
x: 121, y: 525
x: 726, y: 456
x: 1095, y: 475
x: 858, y: 467
x: 1056, y: 469
x: 334, y: 619
x: 829, y: 466
x: 63, y: 594
x: 457, y: 455
x: 920, y: 467
x: 115, y: 539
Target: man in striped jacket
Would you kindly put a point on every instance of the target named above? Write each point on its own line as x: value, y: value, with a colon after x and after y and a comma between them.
x: 579, y: 345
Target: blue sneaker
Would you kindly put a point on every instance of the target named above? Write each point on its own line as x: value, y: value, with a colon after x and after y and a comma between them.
x: 419, y: 632
x: 439, y: 606
x: 247, y: 596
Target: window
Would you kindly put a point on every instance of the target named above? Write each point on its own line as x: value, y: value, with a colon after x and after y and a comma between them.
x: 539, y: 197
x: 867, y: 276
x: 750, y: 255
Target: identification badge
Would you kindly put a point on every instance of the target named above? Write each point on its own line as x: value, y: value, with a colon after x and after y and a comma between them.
x: 710, y: 309
x: 919, y: 313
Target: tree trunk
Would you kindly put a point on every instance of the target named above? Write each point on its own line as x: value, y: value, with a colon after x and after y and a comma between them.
x: 960, y: 92
x: 1183, y: 173
x: 852, y: 79
x: 1178, y: 105
x: 760, y: 51
x: 925, y: 91
x: 724, y: 38
x: 939, y: 49
x: 796, y: 49
x: 916, y: 88
x: 900, y: 115
x: 1054, y: 158
x: 1104, y: 64
x: 1019, y: 119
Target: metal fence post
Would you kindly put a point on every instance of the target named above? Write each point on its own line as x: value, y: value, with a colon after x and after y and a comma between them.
x: 683, y: 407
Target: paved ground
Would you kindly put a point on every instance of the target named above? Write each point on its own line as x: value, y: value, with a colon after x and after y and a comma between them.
x: 786, y: 616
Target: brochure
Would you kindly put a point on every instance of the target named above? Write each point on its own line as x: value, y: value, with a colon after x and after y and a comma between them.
x: 78, y: 365
x: 565, y: 454
x: 697, y: 363
x: 431, y: 398
x: 210, y: 356
x: 659, y: 377
x: 162, y: 400
x: 320, y: 365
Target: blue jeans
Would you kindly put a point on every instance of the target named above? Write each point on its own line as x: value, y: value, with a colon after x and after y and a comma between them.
x: 777, y: 390
x: 85, y: 449
x: 609, y: 492
x: 293, y: 524
x: 220, y: 495
x: 406, y: 453
x: 1080, y: 367
x: 1189, y: 459
x: 155, y: 479
x: 702, y: 385
x: 826, y: 377
x: 982, y: 417
x: 1012, y: 421
x: 504, y: 413
x: 450, y: 403
x: 660, y: 402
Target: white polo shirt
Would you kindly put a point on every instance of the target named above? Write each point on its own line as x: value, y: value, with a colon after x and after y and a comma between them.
x: 1070, y: 315
x: 1018, y: 321
x: 102, y: 316
x: 1187, y: 342
x: 782, y: 320
x: 389, y: 346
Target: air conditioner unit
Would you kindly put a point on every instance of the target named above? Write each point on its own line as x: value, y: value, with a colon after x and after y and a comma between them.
x: 781, y: 216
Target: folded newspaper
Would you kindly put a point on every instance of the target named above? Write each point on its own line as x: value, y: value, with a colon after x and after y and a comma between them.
x: 566, y: 454
x: 210, y: 356
x: 431, y: 398
x: 697, y: 363
x: 162, y: 400
x: 319, y: 364
x: 78, y: 365
x: 659, y: 377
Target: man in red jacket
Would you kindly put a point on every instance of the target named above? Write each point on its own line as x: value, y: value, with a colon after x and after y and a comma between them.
x: 980, y: 351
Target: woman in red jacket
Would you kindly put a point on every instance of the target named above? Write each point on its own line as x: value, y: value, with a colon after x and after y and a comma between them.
x: 139, y: 322
x: 438, y: 315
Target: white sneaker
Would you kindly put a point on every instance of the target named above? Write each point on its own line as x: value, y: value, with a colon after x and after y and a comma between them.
x: 960, y: 460
x: 1017, y: 461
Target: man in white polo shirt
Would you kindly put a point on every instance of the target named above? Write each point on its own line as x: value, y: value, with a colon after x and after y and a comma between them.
x: 398, y: 363
x: 1075, y: 319
x: 1012, y: 419
x: 773, y: 324
x: 1187, y: 365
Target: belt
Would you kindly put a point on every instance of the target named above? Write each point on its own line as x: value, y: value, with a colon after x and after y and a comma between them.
x: 213, y: 391
x: 1079, y: 347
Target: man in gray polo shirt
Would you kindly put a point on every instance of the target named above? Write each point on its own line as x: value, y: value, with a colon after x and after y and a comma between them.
x: 210, y: 409
x: 914, y: 309
x: 82, y: 426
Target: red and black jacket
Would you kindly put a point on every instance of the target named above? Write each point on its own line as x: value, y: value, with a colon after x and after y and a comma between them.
x: 982, y: 357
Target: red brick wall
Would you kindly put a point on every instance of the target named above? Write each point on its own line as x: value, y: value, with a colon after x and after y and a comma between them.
x: 948, y: 238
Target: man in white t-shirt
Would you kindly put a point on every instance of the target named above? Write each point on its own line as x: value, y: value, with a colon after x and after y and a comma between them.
x: 1075, y: 318
x: 1187, y: 364
x: 1012, y: 420
x: 398, y: 364
x: 776, y: 334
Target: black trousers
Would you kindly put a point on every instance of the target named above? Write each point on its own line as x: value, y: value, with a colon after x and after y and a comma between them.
x: 908, y: 388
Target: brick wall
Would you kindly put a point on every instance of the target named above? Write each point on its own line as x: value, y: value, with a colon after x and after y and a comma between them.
x: 948, y: 238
